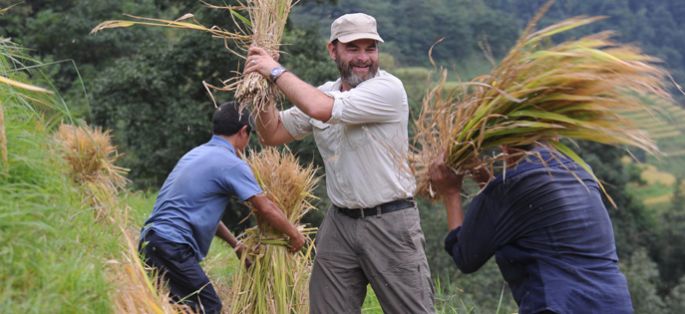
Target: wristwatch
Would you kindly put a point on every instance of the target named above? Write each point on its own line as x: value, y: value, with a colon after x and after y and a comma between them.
x: 276, y: 73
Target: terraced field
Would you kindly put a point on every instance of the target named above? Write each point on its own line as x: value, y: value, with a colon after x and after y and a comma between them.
x: 666, y: 124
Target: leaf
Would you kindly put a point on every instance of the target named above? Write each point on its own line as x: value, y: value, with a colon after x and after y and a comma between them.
x: 241, y: 18
x: 23, y: 86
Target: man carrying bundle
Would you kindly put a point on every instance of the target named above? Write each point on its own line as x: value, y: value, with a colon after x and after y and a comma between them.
x: 372, y: 233
x: 550, y: 234
x: 188, y: 210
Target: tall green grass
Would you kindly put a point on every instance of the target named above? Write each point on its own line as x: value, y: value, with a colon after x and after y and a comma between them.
x: 53, y: 255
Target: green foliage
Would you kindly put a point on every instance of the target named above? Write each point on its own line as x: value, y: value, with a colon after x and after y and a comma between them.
x: 643, y: 277
x: 669, y: 247
x: 409, y: 28
x: 53, y: 253
x: 676, y: 299
x: 157, y: 118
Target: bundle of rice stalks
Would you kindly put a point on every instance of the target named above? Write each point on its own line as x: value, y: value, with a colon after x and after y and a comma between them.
x: 264, y: 28
x: 277, y: 280
x: 268, y: 18
x: 91, y: 157
x: 541, y: 93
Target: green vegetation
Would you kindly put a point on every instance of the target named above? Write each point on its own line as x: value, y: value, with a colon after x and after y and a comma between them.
x: 53, y: 253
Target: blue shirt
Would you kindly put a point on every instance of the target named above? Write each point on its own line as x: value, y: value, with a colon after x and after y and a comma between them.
x: 194, y: 196
x: 551, y: 237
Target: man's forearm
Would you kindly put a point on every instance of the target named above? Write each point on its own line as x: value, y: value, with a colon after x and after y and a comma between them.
x: 267, y: 123
x: 306, y: 97
x: 268, y: 212
x: 455, y: 213
x: 277, y: 220
x: 226, y: 235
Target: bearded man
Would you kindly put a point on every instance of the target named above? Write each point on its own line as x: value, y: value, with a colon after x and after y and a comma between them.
x: 372, y: 232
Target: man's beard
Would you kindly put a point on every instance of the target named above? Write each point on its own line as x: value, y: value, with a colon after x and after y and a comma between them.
x: 352, y: 79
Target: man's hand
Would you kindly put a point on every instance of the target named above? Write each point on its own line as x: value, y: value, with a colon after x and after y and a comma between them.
x: 259, y: 61
x: 448, y: 184
x: 296, y: 242
x: 443, y: 179
x: 240, y: 249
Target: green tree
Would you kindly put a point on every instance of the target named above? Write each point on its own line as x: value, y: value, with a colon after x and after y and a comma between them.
x: 155, y: 102
x: 643, y: 277
x: 671, y: 252
x: 676, y: 299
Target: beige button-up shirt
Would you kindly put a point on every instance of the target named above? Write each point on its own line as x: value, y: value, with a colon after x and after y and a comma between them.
x: 364, y: 145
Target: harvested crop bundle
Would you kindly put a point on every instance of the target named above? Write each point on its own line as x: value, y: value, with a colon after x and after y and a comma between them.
x: 91, y: 157
x: 541, y: 93
x: 277, y: 280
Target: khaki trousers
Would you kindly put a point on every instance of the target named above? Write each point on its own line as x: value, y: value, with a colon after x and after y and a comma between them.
x: 385, y: 250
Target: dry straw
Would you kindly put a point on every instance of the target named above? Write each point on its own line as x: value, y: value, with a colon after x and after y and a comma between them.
x: 137, y: 289
x: 541, y: 93
x: 277, y: 280
x: 91, y: 157
x: 264, y: 28
x: 268, y: 18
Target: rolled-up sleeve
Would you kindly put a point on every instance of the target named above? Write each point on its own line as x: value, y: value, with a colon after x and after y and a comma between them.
x: 296, y: 122
x: 473, y: 243
x: 378, y: 100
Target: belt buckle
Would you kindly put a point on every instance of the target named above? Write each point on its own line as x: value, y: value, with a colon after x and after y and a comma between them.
x: 379, y: 211
x: 361, y: 212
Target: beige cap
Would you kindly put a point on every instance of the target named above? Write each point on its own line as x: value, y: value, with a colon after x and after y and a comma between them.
x: 350, y: 27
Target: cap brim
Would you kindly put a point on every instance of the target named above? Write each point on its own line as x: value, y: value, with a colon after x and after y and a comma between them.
x: 352, y: 37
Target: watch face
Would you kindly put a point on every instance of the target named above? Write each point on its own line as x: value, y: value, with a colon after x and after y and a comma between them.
x: 277, y: 71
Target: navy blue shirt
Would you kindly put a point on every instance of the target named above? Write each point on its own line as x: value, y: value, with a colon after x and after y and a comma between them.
x: 194, y: 196
x: 551, y: 237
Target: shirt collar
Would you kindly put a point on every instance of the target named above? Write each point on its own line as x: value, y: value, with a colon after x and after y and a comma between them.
x: 219, y: 141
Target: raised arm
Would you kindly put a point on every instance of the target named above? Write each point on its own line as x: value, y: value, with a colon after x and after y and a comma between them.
x: 448, y: 185
x: 472, y: 238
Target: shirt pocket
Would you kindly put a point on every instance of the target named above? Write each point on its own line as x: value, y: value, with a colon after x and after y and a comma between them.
x: 356, y: 135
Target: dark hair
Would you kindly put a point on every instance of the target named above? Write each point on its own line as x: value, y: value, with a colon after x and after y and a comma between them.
x: 228, y: 121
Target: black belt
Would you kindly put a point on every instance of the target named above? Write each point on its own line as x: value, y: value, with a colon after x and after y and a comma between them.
x: 377, y: 210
